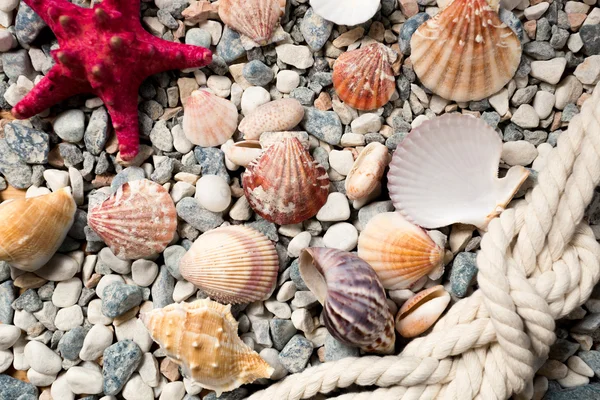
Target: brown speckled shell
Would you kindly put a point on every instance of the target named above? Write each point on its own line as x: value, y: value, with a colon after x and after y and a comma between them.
x: 285, y: 185
x: 275, y: 116
x: 355, y: 307
x: 256, y: 19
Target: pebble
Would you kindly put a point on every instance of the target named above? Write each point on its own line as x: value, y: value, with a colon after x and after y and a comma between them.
x: 148, y: 370
x: 68, y: 318
x: 96, y: 341
x: 47, y: 315
x: 16, y: 171
x: 212, y: 162
x: 118, y: 298
x: 562, y: 349
x: 315, y: 29
x: 213, y: 193
x: 84, y: 380
x: 272, y: 357
x: 335, y: 209
x: 183, y: 291
x: 526, y: 117
x: 9, y: 334
x: 257, y: 73
x: 553, y: 369
x: 60, y: 389
x: 573, y: 379
x: 38, y: 379
x: 579, y: 366
x: 190, y: 210
x: 342, y: 236
x: 198, y: 37
x: 96, y: 133
x: 366, y: 123
x: 342, y: 161
x: 27, y: 24
x: 143, y: 272
x: 173, y: 391
x: 70, y: 125
x: 287, y: 80
x: 70, y: 344
x: 31, y: 145
x: 282, y: 331
x: 67, y: 292
x: 28, y: 301
x: 299, y: 242
x: 161, y: 136
x: 59, y: 268
x: 295, y: 354
x: 408, y: 29
x: 11, y: 388
x: 42, y: 359
x: 336, y: 350
x: 162, y: 288
x: 592, y: 359
x: 549, y: 71
x: 324, y: 125
x: 543, y: 103
x: 7, y: 296
x: 588, y: 72
x: 120, y: 361
x: 136, y: 389
x: 105, y: 281
x: 519, y: 152
x: 536, y: 11
x: 297, y: 56
x: 254, y: 97
x: 590, y: 36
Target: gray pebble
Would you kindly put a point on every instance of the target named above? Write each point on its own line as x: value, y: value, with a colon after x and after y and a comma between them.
x: 4, y: 271
x: 17, y: 172
x: 282, y: 331
x: 464, y: 270
x: 71, y: 343
x: 559, y: 37
x: 164, y: 171
x: 198, y: 37
x: 512, y: 133
x: 152, y: 109
x: 189, y: 210
x: 27, y: 24
x: 585, y: 392
x: 31, y: 145
x: 324, y: 125
x: 296, y: 277
x: 96, y: 133
x: 592, y: 359
x: 120, y: 361
x: 543, y: 30
x: 118, y: 298
x: 536, y: 137
x: 265, y: 227
x: 7, y: 296
x: 336, y: 350
x: 29, y: 301
x: 70, y: 153
x: 315, y: 29
x: 46, y: 291
x: 257, y: 73
x: 129, y: 174
x: 16, y: 63
x: 523, y: 95
x: 539, y: 50
x: 492, y: 118
x: 212, y: 161
x: 408, y: 29
x: 590, y: 35
x: 230, y: 46
x: 296, y: 353
x: 162, y: 288
x: 13, y: 389
x: 218, y: 65
x: 393, y: 141
x: 70, y: 125
x: 161, y: 136
x: 321, y: 156
x: 304, y: 95
x: 562, y: 349
x: 569, y: 112
x: 367, y: 212
x: 165, y: 18
x: 172, y: 256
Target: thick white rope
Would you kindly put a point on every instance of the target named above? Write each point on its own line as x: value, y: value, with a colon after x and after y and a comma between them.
x: 538, y: 262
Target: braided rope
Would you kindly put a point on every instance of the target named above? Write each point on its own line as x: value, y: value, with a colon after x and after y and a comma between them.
x: 538, y: 262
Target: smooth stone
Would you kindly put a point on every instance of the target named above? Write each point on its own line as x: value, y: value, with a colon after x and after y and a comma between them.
x: 254, y: 97
x: 336, y: 350
x: 592, y: 359
x: 549, y: 71
x: 9, y: 334
x: 587, y: 72
x: 68, y: 318
x: 70, y: 344
x: 96, y: 341
x: 287, y: 81
x: 56, y: 179
x: 84, y: 380
x: 28, y: 24
x: 59, y: 268
x: 341, y: 161
x: 28, y: 301
x: 315, y: 29
x: 70, y: 125
x: 7, y: 296
x: 464, y: 270
x: 136, y: 389
x: 120, y: 361
x: 162, y: 289
x: 336, y: 208
x: 118, y: 298
x: 96, y: 133
x: 230, y: 46
x: 190, y: 210
x: 15, y: 170
x: 149, y: 371
x: 342, y: 236
x: 31, y: 145
x: 107, y: 258
x: 298, y: 56
x: 67, y: 292
x: 586, y: 392
x: 324, y: 125
x: 198, y: 37
x: 212, y: 162
x: 213, y: 193
x: 257, y: 73
x: 134, y: 329
x: 143, y: 272
x: 42, y: 359
x: 526, y: 117
x: 543, y: 103
x: 105, y: 281
x: 272, y: 357
x: 41, y: 380
x: 6, y: 360
x: 12, y: 389
x: 408, y: 29
x: 282, y: 330
x: 568, y: 91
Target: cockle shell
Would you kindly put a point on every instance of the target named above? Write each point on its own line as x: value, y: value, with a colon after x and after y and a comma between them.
x: 446, y: 171
x: 256, y: 19
x: 346, y: 12
x: 421, y: 311
x: 33, y: 229
x: 137, y: 221
x: 465, y: 52
x: 355, y: 309
x: 364, y: 78
x: 203, y: 338
x: 244, y: 152
x: 399, y: 252
x: 209, y: 120
x: 275, y: 116
x: 285, y: 185
x: 233, y: 264
x: 367, y: 171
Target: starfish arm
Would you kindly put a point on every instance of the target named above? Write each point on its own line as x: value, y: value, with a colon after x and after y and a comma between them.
x: 126, y: 7
x: 122, y: 107
x: 172, y: 55
x: 51, y: 11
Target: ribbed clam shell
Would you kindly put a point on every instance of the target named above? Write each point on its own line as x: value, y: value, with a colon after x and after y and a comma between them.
x: 446, y: 171
x: 256, y: 19
x: 233, y: 264
x: 465, y: 52
x: 285, y: 185
x: 33, y: 229
x: 209, y: 120
x: 367, y: 171
x: 355, y: 307
x: 137, y: 221
x: 346, y: 12
x: 421, y: 311
x: 364, y: 78
x: 275, y: 116
x: 399, y: 252
x: 203, y: 338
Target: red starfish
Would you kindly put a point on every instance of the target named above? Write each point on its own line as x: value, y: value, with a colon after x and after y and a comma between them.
x: 104, y: 51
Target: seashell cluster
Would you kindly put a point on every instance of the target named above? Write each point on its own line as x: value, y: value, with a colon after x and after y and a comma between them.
x: 421, y: 311
x: 446, y: 171
x: 256, y: 19
x: 202, y: 337
x: 275, y: 116
x: 233, y: 264
x: 399, y: 252
x: 355, y: 309
x: 348, y: 12
x: 213, y: 131
x: 244, y: 152
x: 33, y: 229
x: 367, y: 171
x: 137, y: 221
x: 285, y: 185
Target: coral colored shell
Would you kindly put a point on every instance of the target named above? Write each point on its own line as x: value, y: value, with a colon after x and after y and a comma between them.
x: 243, y: 153
x: 203, y: 338
x: 33, y: 229
x: 137, y: 221
x: 421, y: 311
x: 346, y: 12
x: 364, y: 78
x: 233, y: 264
x: 354, y: 303
x: 275, y: 116
x: 209, y: 120
x: 285, y: 185
x: 256, y: 19
x: 399, y: 252
x: 446, y: 171
x: 465, y: 52
x: 367, y: 171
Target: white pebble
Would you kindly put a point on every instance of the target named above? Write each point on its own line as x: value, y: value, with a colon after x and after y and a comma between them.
x: 519, y: 152
x: 299, y: 242
x: 298, y: 56
x: 342, y: 236
x: 135, y: 330
x: 535, y: 12
x: 286, y: 291
x: 96, y: 341
x: 6, y: 359
x: 548, y: 71
x: 579, y: 366
x: 84, y: 380
x: 213, y: 193
x: 573, y: 379
x: 366, y: 123
x: 303, y: 320
x: 526, y: 117
x: 105, y: 281
x: 221, y: 85
x: 39, y: 379
x: 42, y: 359
x: 24, y: 319
x: 173, y: 391
x: 280, y: 310
x: 60, y: 389
x: 69, y: 318
x: 56, y: 179
x: 148, y: 370
x: 66, y: 293
x: 59, y: 268
x: 136, y: 389
x: 192, y: 387
x: 500, y: 101
x: 272, y: 357
x: 143, y: 272
x: 254, y: 97
x: 107, y: 257
x: 335, y: 209
x: 95, y: 315
x: 543, y: 103
x: 341, y: 160
x: 9, y: 334
x: 181, y: 190
x: 183, y: 291
x: 287, y: 80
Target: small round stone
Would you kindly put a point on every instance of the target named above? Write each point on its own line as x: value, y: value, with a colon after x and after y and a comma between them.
x: 143, y: 272
x: 342, y: 236
x: 257, y: 73
x: 213, y: 193
x: 287, y: 80
x: 70, y: 125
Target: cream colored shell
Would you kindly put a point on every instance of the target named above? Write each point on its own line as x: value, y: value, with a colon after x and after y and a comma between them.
x: 367, y: 171
x: 209, y: 120
x: 421, y: 311
x: 275, y: 116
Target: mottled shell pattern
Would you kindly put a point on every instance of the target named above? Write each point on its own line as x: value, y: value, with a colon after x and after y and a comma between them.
x: 139, y: 220
x: 233, y: 264
x: 355, y: 309
x: 465, y: 52
x: 285, y: 185
x: 33, y: 229
x: 367, y: 171
x: 213, y: 131
x: 275, y: 116
x: 203, y: 338
x: 256, y: 19
x: 421, y: 311
x: 400, y: 253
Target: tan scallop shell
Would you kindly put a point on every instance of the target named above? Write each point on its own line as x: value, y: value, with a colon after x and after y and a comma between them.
x: 367, y: 171
x: 209, y: 120
x: 256, y: 19
x: 421, y: 311
x: 275, y: 116
x: 465, y: 52
x: 33, y: 229
x: 202, y: 337
x: 244, y: 152
x: 400, y: 253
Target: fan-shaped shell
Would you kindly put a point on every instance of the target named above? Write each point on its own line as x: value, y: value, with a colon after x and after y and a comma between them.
x: 346, y: 12
x: 465, y: 52
x: 421, y: 311
x: 137, y: 221
x: 202, y: 337
x: 275, y: 116
x: 233, y: 264
x: 256, y: 19
x: 364, y: 78
x: 33, y: 229
x: 354, y: 303
x: 367, y: 171
x: 399, y: 252
x: 446, y: 171
x: 209, y: 120
x: 285, y: 185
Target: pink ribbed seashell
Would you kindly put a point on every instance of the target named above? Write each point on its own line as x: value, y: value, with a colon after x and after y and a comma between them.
x: 209, y: 120
x: 256, y: 19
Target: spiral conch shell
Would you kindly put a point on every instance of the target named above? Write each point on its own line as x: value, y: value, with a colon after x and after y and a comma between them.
x: 421, y: 311
x: 256, y: 19
x: 33, y: 229
x: 399, y: 252
x: 203, y: 338
x: 354, y: 303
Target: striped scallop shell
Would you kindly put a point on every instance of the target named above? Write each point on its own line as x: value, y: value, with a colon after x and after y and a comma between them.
x: 209, y: 120
x: 465, y: 52
x: 202, y: 337
x: 233, y: 264
x: 346, y: 12
x: 421, y: 311
x: 256, y: 19
x: 355, y: 309
x: 364, y: 78
x: 275, y: 116
x: 137, y: 221
x: 399, y: 252
x: 285, y: 185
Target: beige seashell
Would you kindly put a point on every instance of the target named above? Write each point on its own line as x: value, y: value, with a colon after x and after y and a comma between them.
x: 347, y: 12
x: 421, y: 311
x: 202, y: 337
x: 233, y: 264
x: 243, y: 153
x: 400, y: 253
x: 208, y: 120
x: 256, y: 19
x: 269, y: 138
x: 367, y: 171
x: 33, y: 229
x: 465, y: 52
x: 275, y: 116
x: 11, y: 193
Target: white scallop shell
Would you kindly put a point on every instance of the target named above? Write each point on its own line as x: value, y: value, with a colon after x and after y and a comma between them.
x: 346, y: 12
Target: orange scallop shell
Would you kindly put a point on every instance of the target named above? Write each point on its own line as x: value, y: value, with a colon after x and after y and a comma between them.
x: 256, y: 19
